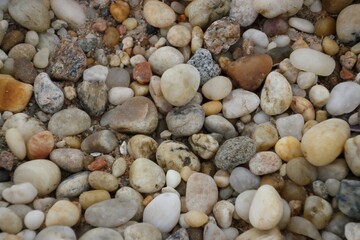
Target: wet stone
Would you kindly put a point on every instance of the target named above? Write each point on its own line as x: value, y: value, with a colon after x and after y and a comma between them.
x: 93, y: 97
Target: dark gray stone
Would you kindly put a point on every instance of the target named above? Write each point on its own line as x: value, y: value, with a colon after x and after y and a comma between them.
x: 185, y: 120
x: 349, y: 198
x: 87, y: 44
x: 204, y: 63
x: 235, y: 151
x: 93, y: 97
x: 102, y: 141
x: 25, y: 70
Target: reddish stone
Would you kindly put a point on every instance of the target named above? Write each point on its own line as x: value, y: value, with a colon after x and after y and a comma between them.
x: 142, y: 72
x: 98, y: 164
x: 346, y: 74
x: 40, y: 145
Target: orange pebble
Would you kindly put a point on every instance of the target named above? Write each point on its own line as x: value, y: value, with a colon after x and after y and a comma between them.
x: 147, y: 200
x: 98, y: 164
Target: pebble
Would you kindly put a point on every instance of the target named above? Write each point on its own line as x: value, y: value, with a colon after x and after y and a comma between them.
x: 201, y: 193
x: 203, y: 145
x: 185, y: 120
x: 239, y: 103
x: 179, y: 234
x: 32, y: 38
x: 300, y: 171
x: 348, y: 198
x: 276, y: 94
x: 274, y: 8
x: 24, y: 70
x: 304, y: 227
x: 304, y: 107
x: 266, y: 208
x: 142, y: 146
x: 98, y: 233
x: 234, y: 151
x: 219, y: 124
x: 15, y: 95
x: 128, y: 193
x: 223, y: 213
x: 164, y: 206
x: 88, y: 198
x: 48, y: 96
x: 306, y: 80
x: 34, y: 16
x: 179, y: 36
x: 70, y: 11
x: 68, y: 122
x: 243, y: 12
x: 142, y: 72
x: 173, y: 178
x: 243, y: 203
x: 301, y: 24
x: 175, y: 155
x: 100, y: 180
x: 352, y: 230
x: 68, y: 61
x: 145, y: 180
x: 130, y: 23
x: 64, y: 213
x: 117, y: 77
x: 257, y: 37
x: 241, y: 179
x: 73, y: 185
x: 319, y: 95
x: 346, y: 21
x: 265, y: 136
x: 16, y: 143
x: 93, y: 97
x: 48, y: 40
x: 329, y: 236
x: 212, y: 107
x: 195, y: 219
x: 255, y: 233
x: 88, y: 43
x: 96, y: 73
x: 318, y: 143
x: 221, y: 35
x: 159, y: 14
x: 264, y: 163
x: 11, y: 38
x: 54, y: 232
x: 249, y: 72
x: 330, y: 46
x: 208, y: 68
x: 212, y: 232
x: 303, y: 59
x: 197, y: 39
x: 41, y: 58
x: 180, y: 83
x: 119, y: 10
x: 22, y: 193
x: 288, y: 147
x: 318, y: 211
x: 34, y: 219
x: 10, y: 222
x: 337, y: 223
x: 110, y: 213
x: 44, y: 175
x: 332, y: 186
x: 103, y: 141
x: 69, y: 159
x: 111, y: 37
x: 165, y: 58
x: 340, y: 103
x: 135, y: 115
x: 351, y: 150
x: 142, y: 231
x: 290, y: 126
x: 217, y: 88
x: 338, y: 169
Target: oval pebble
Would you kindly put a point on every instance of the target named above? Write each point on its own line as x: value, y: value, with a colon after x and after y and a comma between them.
x: 21, y: 193
x: 88, y: 198
x: 69, y: 159
x: 347, y: 23
x: 70, y: 11
x: 16, y: 143
x: 243, y: 203
x: 264, y: 163
x: 40, y: 145
x: 165, y: 58
x: 103, y: 181
x: 344, y: 98
x: 118, y: 95
x: 34, y: 219
x: 73, y: 185
x: 301, y: 24
x: 217, y: 88
x: 55, y: 232
x: 10, y: 222
x: 239, y: 103
x: 274, y: 8
x: 159, y: 14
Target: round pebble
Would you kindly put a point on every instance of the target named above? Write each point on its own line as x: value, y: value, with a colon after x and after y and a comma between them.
x: 16, y: 143
x: 340, y: 103
x: 34, y: 219
x: 142, y: 146
x: 98, y: 233
x: 56, y: 232
x: 159, y: 14
x: 241, y: 179
x: 346, y: 23
x: 319, y: 95
x: 300, y: 171
x: 179, y: 36
x: 165, y: 58
x: 288, y: 148
x: 103, y: 181
x: 239, y: 103
x: 217, y: 88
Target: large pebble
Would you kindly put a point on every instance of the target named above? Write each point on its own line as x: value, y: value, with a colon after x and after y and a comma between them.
x: 135, y: 115
x: 235, y: 151
x: 338, y: 170
x: 69, y: 122
x: 69, y: 159
x: 103, y: 141
x: 142, y: 146
x: 88, y: 198
x: 146, y: 176
x: 266, y: 208
x: 325, y: 141
x: 22, y: 193
x: 142, y: 231
x: 304, y: 227
x: 352, y: 230
x: 128, y: 193
x: 349, y: 198
x: 44, y: 175
x: 93, y: 97
x: 201, y: 193
x: 344, y: 98
x: 110, y: 213
x: 310, y: 60
x: 264, y: 163
x: 9, y: 221
x: 40, y: 145
x: 101, y: 233
x: 73, y: 185
x: 204, y: 145
x: 159, y: 14
x: 70, y: 11
x: 241, y: 179
x: 180, y: 83
x: 217, y: 88
x: 243, y: 203
x: 240, y: 103
x: 101, y: 180
x: 165, y: 58
x: 30, y: 14
x: 63, y: 213
x: 347, y: 22
x: 290, y: 126
x: 48, y: 96
x: 256, y: 36
x: 243, y: 12
x: 219, y: 124
x: 55, y: 232
x: 175, y: 155
x: 274, y: 8
x: 276, y: 95
x: 352, y: 156
x: 165, y: 206
x: 16, y: 143
x: 25, y: 70
x: 300, y: 171
x: 185, y: 120
x: 22, y: 50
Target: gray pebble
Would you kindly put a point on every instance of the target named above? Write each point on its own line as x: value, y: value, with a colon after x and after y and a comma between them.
x: 241, y: 179
x: 56, y: 232
x: 349, y: 198
x: 219, y: 124
x: 117, y: 77
x: 103, y: 141
x: 142, y: 231
x: 127, y: 194
x: 93, y: 97
x: 87, y: 44
x: 69, y: 159
x: 73, y: 186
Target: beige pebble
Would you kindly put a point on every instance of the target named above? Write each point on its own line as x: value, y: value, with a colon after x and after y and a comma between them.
x: 330, y: 46
x: 16, y: 143
x: 89, y: 198
x: 304, y: 107
x: 321, y: 115
x: 139, y: 89
x: 185, y: 173
x: 197, y: 39
x: 195, y: 218
x: 265, y: 136
x: 222, y: 178
x: 130, y: 23
x: 288, y: 148
x: 64, y: 213
x: 319, y: 95
x: 103, y: 181
x: 301, y: 171
x: 179, y: 36
x: 159, y: 14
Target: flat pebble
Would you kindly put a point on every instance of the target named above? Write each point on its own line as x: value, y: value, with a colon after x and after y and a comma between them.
x: 223, y: 212
x: 165, y: 58
x: 100, y: 180
x: 68, y: 122
x: 274, y: 8
x: 98, y: 233
x: 159, y: 14
x: 204, y: 145
x: 69, y: 159
x: 54, y: 232
x: 235, y: 151
x: 300, y: 171
x: 243, y: 12
x: 241, y: 179
x: 351, y: 150
x: 64, y: 213
x: 127, y: 194
x: 340, y: 103
x: 73, y: 185
x: 110, y: 213
x: 255, y: 233
x: 34, y: 219
x: 15, y: 142
x: 9, y: 221
x: 142, y: 146
x: 240, y: 103
x: 103, y: 141
x: 88, y: 198
x: 265, y: 136
x: 219, y: 124
x: 290, y: 126
x: 70, y: 11
x: 165, y: 206
x: 264, y: 163
x: 198, y: 197
x: 338, y: 169
x: 348, y: 198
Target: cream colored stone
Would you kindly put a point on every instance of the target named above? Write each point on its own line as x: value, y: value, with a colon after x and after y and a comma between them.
x: 195, y: 218
x: 63, y: 213
x: 288, y: 148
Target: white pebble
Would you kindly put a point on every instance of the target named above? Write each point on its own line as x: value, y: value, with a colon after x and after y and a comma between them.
x: 173, y: 178
x: 217, y: 88
x: 160, y: 43
x: 96, y: 73
x: 319, y: 95
x: 137, y: 59
x: 354, y: 119
x: 70, y: 11
x: 302, y: 24
x: 16, y: 143
x: 261, y: 117
x: 344, y: 98
x: 26, y: 234
x: 306, y: 80
x: 41, y: 58
x: 118, y: 95
x: 21, y: 193
x: 258, y: 37
x: 128, y: 42
x: 243, y: 203
x: 32, y: 38
x: 34, y: 219
x: 316, y: 6
x: 282, y: 40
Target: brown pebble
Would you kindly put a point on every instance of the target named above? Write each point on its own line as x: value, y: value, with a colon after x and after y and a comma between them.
x: 142, y: 72
x: 98, y: 164
x: 325, y: 26
x: 25, y: 70
x: 292, y: 191
x: 40, y: 145
x: 275, y: 26
x: 147, y: 200
x: 119, y: 10
x: 275, y: 180
x: 11, y: 39
x: 335, y: 6
x: 346, y: 74
x: 7, y: 160
x: 111, y: 37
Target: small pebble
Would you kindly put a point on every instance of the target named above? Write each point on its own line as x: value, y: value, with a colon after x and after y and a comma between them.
x: 301, y: 24
x: 34, y: 219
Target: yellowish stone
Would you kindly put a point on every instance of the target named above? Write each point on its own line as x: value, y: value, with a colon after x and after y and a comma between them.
x: 89, y: 198
x: 195, y: 218
x: 212, y: 107
x: 288, y: 148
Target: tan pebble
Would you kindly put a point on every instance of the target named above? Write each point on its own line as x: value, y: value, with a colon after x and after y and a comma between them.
x: 186, y: 173
x: 120, y: 10
x: 330, y: 46
x: 179, y: 36
x: 253, y: 233
x: 321, y: 115
x: 275, y: 180
x: 139, y: 89
x: 356, y: 48
x: 301, y: 171
x: 222, y: 178
x: 16, y: 143
x: 73, y: 142
x: 103, y: 181
x: 111, y: 37
x: 89, y: 198
x: 212, y: 107
x: 288, y: 148
x: 40, y: 145
x: 292, y: 191
x: 325, y: 26
x: 64, y: 213
x: 195, y: 218
x: 197, y: 39
x: 114, y: 61
x: 304, y: 107
x: 147, y: 200
x: 159, y: 14
x: 309, y: 124
x: 265, y: 136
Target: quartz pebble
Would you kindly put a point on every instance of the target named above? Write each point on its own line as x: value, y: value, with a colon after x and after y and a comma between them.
x: 130, y: 194
x: 258, y: 37
x: 301, y: 24
x: 243, y: 203
x: 240, y: 103
x: 70, y: 11
x: 34, y: 219
x: 142, y: 146
x: 173, y: 178
x: 204, y: 145
x: 22, y: 193
x: 179, y: 36
x: 195, y: 218
x: 41, y: 58
x: 288, y: 148
x: 304, y: 227
x: 319, y: 95
x: 340, y: 103
x: 118, y: 95
x: 265, y: 136
x: 255, y: 233
x: 346, y: 23
x: 100, y: 180
x: 91, y: 197
x: 352, y: 230
x: 223, y: 212
x: 64, y: 213
x: 300, y: 171
x: 318, y: 211
x: 217, y: 88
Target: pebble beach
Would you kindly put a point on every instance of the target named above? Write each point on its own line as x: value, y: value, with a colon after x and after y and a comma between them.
x: 179, y: 119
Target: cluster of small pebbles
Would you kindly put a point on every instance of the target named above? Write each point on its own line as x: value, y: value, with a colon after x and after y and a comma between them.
x: 179, y: 119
